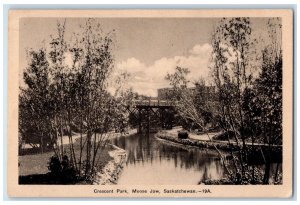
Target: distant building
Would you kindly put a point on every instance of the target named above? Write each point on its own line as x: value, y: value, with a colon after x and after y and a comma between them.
x: 209, y: 92
x: 164, y: 93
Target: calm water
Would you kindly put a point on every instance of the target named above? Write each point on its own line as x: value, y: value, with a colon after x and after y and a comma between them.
x: 154, y: 161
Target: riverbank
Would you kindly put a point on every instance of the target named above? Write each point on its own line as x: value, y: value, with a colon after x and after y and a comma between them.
x: 109, y: 174
x: 110, y: 160
x: 256, y: 157
x: 206, y: 141
x: 201, y: 141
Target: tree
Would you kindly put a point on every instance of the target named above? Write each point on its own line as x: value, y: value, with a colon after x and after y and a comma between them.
x: 62, y: 97
x: 231, y: 68
x: 92, y: 64
x: 264, y: 108
x: 33, y: 101
x: 187, y: 105
x: 244, y: 101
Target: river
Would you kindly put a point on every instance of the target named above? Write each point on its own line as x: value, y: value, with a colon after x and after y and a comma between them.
x: 151, y: 161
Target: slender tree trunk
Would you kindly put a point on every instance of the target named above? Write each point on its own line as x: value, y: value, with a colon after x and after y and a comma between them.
x: 268, y: 164
x: 81, y: 146
x: 276, y: 173
x: 88, y: 152
x: 95, y: 151
x: 42, y: 144
x: 252, y: 155
x: 267, y: 172
x: 61, y: 138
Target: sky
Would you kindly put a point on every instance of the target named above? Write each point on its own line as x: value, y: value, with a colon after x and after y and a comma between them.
x: 146, y: 48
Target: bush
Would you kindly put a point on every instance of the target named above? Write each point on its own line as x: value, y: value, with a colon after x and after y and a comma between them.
x: 224, y: 136
x: 55, y: 166
x: 183, y: 134
x: 62, y: 171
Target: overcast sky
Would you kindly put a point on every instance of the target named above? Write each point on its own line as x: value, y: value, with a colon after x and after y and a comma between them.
x: 147, y: 48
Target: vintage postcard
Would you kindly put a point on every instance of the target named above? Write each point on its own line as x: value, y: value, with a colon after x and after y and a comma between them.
x: 150, y: 103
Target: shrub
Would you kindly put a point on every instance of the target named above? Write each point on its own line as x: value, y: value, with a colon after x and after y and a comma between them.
x: 224, y: 136
x: 62, y: 171
x: 183, y: 134
x: 55, y: 165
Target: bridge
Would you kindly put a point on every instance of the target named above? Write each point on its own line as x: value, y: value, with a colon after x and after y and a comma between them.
x: 148, y: 112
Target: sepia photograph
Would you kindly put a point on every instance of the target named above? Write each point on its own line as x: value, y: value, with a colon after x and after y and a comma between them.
x: 151, y: 103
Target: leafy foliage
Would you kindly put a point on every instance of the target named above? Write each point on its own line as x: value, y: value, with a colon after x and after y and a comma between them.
x: 248, y: 107
x: 63, y: 97
x: 247, y: 102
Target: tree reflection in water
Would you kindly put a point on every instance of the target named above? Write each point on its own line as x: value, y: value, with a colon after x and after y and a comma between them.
x: 161, y: 162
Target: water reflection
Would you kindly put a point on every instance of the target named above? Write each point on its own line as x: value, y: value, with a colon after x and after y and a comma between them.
x: 153, y: 161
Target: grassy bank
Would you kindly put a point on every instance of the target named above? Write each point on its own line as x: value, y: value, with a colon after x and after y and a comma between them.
x: 33, y: 168
x: 195, y: 142
x: 203, y: 141
x: 255, y: 158
x: 32, y: 162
